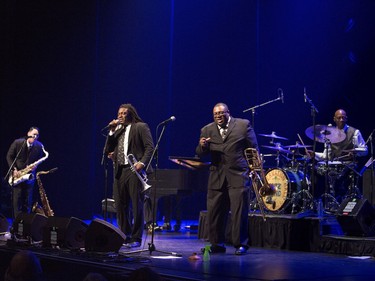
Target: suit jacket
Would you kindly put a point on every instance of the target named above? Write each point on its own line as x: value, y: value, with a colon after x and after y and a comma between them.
x: 25, y: 158
x: 227, y: 156
x: 140, y: 143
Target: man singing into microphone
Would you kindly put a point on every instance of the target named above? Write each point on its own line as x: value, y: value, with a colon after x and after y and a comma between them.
x: 23, y: 152
x: 129, y: 135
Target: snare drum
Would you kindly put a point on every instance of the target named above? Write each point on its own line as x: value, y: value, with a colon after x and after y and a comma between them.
x: 285, y: 182
x: 334, y: 168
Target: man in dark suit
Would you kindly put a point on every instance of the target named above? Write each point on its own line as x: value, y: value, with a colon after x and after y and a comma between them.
x: 24, y: 152
x: 225, y: 140
x: 129, y: 135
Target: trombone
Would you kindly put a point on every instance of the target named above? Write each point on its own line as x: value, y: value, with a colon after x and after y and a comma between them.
x: 255, y: 165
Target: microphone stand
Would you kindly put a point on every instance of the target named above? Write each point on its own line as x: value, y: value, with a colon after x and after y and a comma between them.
x: 314, y: 111
x: 11, y: 169
x: 151, y: 245
x: 104, y: 163
x: 281, y: 97
x: 372, y: 165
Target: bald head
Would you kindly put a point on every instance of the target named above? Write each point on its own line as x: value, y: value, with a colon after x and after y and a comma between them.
x: 340, y: 118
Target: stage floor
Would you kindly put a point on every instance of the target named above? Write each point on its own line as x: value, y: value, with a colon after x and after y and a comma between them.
x: 171, y: 259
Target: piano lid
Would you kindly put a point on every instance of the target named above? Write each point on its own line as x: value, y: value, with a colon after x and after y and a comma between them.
x: 189, y: 162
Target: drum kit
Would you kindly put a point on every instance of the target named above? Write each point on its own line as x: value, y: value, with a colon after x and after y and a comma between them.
x: 292, y: 184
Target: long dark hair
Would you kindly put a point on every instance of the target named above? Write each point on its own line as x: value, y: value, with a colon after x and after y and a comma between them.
x: 132, y: 116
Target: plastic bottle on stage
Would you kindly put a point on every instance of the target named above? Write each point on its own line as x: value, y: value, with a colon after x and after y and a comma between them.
x: 206, y: 254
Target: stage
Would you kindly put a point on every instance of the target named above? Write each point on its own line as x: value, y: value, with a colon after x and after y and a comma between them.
x: 281, y: 248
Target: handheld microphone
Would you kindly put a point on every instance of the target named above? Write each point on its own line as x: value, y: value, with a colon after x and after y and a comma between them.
x: 170, y: 119
x: 111, y: 124
x: 30, y: 137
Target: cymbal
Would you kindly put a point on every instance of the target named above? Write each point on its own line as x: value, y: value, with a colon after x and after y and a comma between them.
x: 277, y: 148
x: 323, y: 132
x: 273, y: 135
x: 297, y: 146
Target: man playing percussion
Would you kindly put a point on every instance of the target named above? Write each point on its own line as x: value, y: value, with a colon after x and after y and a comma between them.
x: 342, y: 144
x: 346, y: 150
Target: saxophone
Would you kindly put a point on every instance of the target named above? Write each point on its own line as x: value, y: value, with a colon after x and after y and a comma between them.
x: 26, y: 174
x: 46, y: 208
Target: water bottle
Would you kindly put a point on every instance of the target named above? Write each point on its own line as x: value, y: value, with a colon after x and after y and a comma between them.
x: 206, y: 253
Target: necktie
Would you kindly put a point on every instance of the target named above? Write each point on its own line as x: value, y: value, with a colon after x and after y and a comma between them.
x: 120, y: 151
x: 223, y: 131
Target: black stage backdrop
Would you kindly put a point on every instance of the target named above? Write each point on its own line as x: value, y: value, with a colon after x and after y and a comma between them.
x: 66, y: 66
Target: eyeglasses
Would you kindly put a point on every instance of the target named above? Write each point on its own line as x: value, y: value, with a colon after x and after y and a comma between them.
x: 220, y: 113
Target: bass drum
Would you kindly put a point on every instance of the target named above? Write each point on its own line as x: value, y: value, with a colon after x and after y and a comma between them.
x: 285, y: 183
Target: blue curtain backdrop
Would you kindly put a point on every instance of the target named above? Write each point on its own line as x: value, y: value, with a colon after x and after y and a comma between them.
x: 68, y: 65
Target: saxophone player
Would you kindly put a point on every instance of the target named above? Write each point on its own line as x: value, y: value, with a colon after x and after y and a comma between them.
x: 23, y: 153
x: 129, y: 135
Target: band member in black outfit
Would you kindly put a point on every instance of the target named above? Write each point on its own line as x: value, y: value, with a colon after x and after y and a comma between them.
x: 129, y: 135
x: 225, y: 140
x: 346, y: 153
x: 24, y: 152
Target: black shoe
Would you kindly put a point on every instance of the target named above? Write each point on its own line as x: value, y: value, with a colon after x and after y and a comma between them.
x: 242, y: 250
x: 134, y: 244
x: 215, y: 249
x: 127, y: 241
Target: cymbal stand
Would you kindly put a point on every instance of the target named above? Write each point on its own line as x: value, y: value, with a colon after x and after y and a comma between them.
x: 329, y: 201
x: 353, y: 190
x: 304, y: 194
x: 277, y: 159
x: 314, y: 111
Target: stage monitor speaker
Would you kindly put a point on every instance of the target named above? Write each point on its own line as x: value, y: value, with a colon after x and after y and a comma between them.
x: 102, y: 236
x: 27, y: 226
x: 356, y: 217
x: 4, y: 224
x: 64, y: 233
x: 368, y: 186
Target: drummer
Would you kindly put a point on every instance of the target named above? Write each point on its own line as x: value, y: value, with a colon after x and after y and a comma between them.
x: 344, y: 144
x: 347, y: 149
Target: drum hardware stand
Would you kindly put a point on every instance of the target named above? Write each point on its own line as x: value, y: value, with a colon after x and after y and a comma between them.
x: 280, y: 97
x: 353, y: 191
x: 330, y: 203
x: 369, y: 163
x: 307, y: 197
x: 304, y: 195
